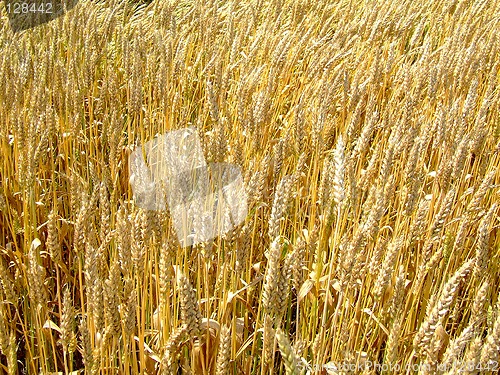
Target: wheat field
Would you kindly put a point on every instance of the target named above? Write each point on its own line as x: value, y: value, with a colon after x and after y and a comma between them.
x: 368, y: 133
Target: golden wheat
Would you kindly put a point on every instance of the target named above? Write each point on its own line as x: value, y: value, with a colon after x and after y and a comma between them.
x: 369, y: 143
